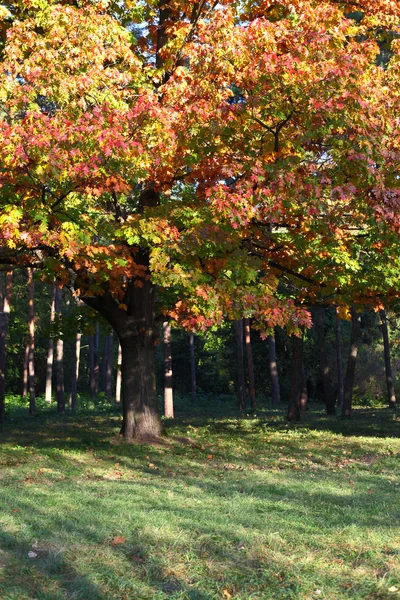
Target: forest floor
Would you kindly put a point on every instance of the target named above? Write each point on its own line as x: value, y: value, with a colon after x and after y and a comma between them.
x: 227, y: 508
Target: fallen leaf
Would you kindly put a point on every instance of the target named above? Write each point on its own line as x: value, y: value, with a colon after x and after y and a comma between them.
x: 33, y: 554
x: 393, y: 589
x: 209, y: 456
x: 226, y: 594
x: 117, y: 540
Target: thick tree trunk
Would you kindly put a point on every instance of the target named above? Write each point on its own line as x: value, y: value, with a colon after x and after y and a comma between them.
x: 241, y: 395
x: 192, y: 367
x: 339, y: 363
x: 60, y: 394
x: 250, y: 365
x: 75, y: 372
x: 329, y: 398
x: 50, y: 351
x: 119, y: 376
x: 273, y: 369
x: 137, y: 333
x: 168, y: 391
x: 296, y: 379
x: 388, y: 366
x: 31, y: 336
x: 5, y: 301
x: 351, y: 363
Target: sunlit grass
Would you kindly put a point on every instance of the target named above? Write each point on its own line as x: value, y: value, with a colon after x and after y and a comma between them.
x: 231, y: 507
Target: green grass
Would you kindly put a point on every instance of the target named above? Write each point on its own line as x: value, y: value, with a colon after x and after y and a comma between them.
x: 251, y: 508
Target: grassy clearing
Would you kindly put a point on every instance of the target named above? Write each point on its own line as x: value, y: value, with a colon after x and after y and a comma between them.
x: 250, y: 509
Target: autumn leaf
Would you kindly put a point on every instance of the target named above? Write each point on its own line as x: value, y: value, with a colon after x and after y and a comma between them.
x: 118, y: 540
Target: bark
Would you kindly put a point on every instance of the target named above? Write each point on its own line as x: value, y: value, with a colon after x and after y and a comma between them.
x: 119, y: 376
x: 25, y: 376
x: 250, y: 365
x: 50, y: 351
x: 339, y: 362
x: 388, y: 366
x: 96, y: 359
x: 60, y: 394
x: 104, y: 360
x: 168, y: 391
x: 109, y: 368
x: 273, y: 369
x: 75, y: 372
x: 351, y: 363
x: 137, y: 333
x: 31, y: 337
x: 329, y: 398
x: 238, y: 325
x: 304, y: 390
x: 296, y: 379
x: 192, y: 367
x: 5, y: 301
x: 92, y: 375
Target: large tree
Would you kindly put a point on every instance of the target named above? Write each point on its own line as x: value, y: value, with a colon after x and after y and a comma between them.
x: 182, y: 158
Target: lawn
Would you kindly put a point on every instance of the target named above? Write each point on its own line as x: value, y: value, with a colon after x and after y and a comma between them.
x: 228, y: 507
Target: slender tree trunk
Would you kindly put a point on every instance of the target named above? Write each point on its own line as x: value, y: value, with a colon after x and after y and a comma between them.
x: 104, y: 359
x: 388, y: 365
x: 329, y: 398
x: 273, y: 369
x: 192, y: 367
x: 31, y: 336
x: 4, y: 323
x: 92, y: 375
x: 25, y: 371
x: 339, y: 362
x: 168, y: 391
x: 96, y: 358
x: 60, y: 394
x: 50, y: 351
x: 238, y: 325
x: 75, y: 372
x: 250, y: 365
x: 304, y: 390
x: 296, y: 379
x: 119, y: 376
x: 351, y: 363
x: 109, y: 369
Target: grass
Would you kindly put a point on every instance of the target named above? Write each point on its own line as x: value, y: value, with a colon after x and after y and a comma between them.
x: 249, y: 508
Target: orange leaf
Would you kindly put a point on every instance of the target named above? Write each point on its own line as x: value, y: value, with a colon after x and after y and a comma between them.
x: 117, y: 540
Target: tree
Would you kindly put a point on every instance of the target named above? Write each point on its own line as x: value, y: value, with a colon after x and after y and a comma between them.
x: 50, y: 352
x: 351, y: 363
x: 323, y: 362
x: 5, y: 299
x: 250, y: 366
x: 240, y: 387
x: 186, y: 173
x: 60, y: 392
x: 168, y: 390
x: 388, y: 365
x: 273, y: 369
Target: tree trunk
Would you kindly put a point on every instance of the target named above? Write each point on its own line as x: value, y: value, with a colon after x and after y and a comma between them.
x: 60, y: 395
x: 240, y: 364
x: 104, y: 359
x: 339, y: 362
x: 31, y: 336
x: 388, y: 364
x: 273, y: 369
x: 4, y: 323
x: 192, y: 367
x: 329, y: 398
x: 119, y: 376
x: 250, y: 365
x: 96, y: 358
x: 50, y: 351
x: 75, y: 372
x: 351, y: 363
x: 92, y: 375
x: 168, y: 391
x: 137, y: 333
x: 25, y: 374
x: 304, y: 390
x: 109, y: 369
x: 296, y: 379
